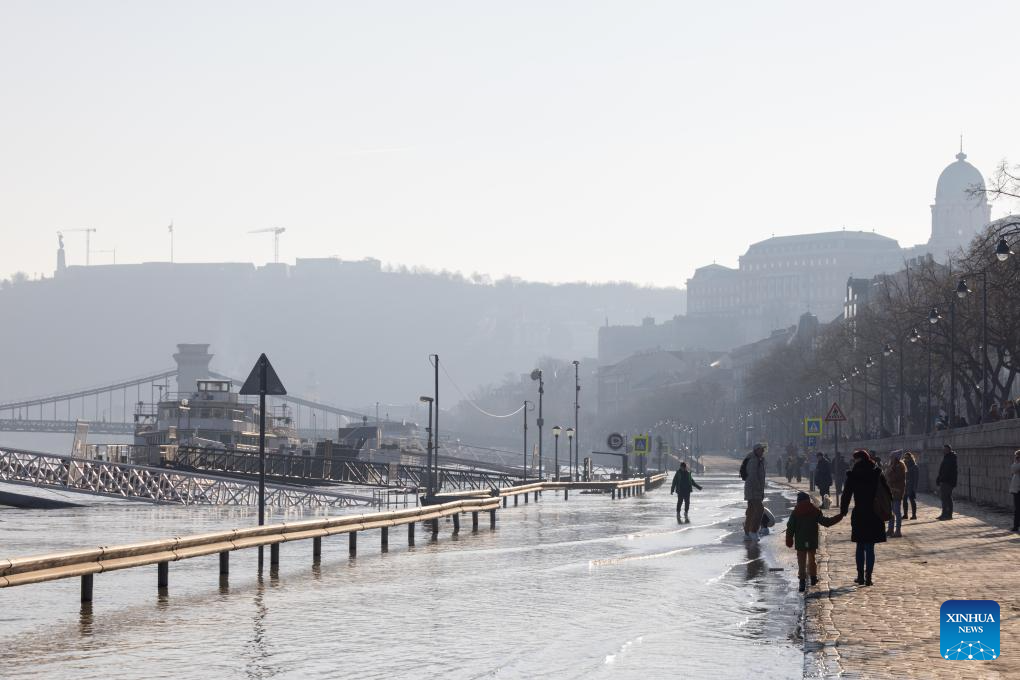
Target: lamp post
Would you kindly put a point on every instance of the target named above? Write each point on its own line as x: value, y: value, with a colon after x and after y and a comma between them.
x: 556, y: 452
x: 570, y: 440
x: 867, y: 364
x: 933, y: 318
x: 537, y: 375
x: 525, y: 410
x: 1002, y: 249
x: 428, y: 448
x: 576, y: 431
x: 435, y: 430
x: 887, y: 350
x: 962, y: 291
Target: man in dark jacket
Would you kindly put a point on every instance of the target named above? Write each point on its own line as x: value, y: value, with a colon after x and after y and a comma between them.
x: 683, y: 483
x: 946, y: 480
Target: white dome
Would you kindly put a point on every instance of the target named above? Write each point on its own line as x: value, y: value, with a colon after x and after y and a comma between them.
x: 957, y: 181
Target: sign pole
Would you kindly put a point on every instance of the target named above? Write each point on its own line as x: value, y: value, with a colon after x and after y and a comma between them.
x: 262, y: 442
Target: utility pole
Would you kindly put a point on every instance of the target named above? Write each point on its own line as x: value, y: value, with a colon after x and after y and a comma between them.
x: 577, y: 425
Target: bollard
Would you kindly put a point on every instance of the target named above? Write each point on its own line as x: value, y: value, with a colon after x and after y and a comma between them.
x: 162, y: 574
x: 410, y: 533
x: 224, y: 563
x: 86, y: 587
x: 274, y: 555
x: 352, y: 542
x: 384, y: 538
x: 492, y: 519
x: 612, y: 493
x: 456, y: 523
x: 474, y: 521
x: 566, y: 493
x: 316, y: 548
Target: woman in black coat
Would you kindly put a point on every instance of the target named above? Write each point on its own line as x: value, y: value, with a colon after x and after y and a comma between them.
x: 866, y: 528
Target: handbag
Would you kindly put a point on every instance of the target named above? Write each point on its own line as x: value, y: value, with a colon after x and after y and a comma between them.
x: 883, y: 501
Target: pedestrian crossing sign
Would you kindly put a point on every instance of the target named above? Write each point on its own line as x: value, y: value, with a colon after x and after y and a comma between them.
x: 641, y: 444
x: 835, y: 414
x: 812, y: 426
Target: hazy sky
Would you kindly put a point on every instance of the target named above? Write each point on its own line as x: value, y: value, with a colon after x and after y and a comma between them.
x: 549, y: 140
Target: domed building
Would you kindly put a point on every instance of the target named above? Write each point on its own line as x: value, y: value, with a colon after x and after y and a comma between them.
x: 959, y: 211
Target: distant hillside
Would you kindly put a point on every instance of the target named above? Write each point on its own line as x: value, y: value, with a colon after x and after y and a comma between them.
x: 346, y: 332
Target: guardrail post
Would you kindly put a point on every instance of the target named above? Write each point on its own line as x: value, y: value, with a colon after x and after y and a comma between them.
x: 456, y: 523
x: 224, y: 562
x: 492, y: 519
x: 352, y: 543
x: 410, y: 533
x: 515, y: 499
x: 613, y: 493
x: 474, y: 521
x: 274, y: 555
x: 536, y: 496
x: 526, y: 494
x: 566, y: 493
x: 504, y: 501
x: 384, y: 539
x: 316, y: 548
x: 86, y: 587
x: 162, y: 575
x: 435, y: 527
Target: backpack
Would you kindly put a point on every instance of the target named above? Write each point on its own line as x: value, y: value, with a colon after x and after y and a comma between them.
x: 882, y: 504
x: 743, y: 468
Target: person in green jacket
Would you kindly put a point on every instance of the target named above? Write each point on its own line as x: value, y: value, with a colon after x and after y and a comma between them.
x: 802, y: 534
x: 683, y: 483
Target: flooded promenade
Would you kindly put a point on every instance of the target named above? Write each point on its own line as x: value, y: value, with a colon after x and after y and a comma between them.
x: 585, y: 588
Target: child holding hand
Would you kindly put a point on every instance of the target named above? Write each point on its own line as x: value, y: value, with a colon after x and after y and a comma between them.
x: 802, y: 533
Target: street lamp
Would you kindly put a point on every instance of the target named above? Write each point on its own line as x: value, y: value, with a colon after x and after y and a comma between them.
x: 1002, y: 250
x: 428, y: 448
x: 570, y: 440
x: 576, y: 430
x: 537, y: 375
x: 962, y: 291
x: 525, y: 410
x: 869, y: 363
x: 556, y: 452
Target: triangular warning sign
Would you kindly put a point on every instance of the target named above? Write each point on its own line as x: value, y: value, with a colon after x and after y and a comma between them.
x: 835, y: 414
x: 263, y: 379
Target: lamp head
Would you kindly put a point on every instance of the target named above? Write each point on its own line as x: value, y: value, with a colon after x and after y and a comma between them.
x: 570, y: 433
x: 425, y: 400
x: 933, y: 315
x: 556, y: 430
x: 961, y: 289
x: 1002, y: 250
x: 914, y: 335
x: 536, y: 374
x: 887, y: 350
x: 869, y: 363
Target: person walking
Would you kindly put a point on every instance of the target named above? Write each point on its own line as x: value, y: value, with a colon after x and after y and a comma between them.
x: 791, y: 467
x: 823, y: 478
x: 754, y: 491
x: 864, y: 482
x: 683, y: 483
x: 946, y: 481
x: 1014, y: 488
x: 802, y: 534
x: 896, y: 476
x: 913, y: 476
x: 838, y: 473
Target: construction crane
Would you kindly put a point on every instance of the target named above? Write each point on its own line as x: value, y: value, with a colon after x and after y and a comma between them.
x: 276, y: 239
x: 88, y: 233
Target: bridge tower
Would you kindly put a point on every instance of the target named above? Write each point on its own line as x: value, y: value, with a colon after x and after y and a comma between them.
x: 192, y: 366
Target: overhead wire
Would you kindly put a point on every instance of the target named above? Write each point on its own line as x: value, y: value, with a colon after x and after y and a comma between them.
x: 470, y: 401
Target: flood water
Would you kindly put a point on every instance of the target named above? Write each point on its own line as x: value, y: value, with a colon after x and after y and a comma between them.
x: 585, y: 588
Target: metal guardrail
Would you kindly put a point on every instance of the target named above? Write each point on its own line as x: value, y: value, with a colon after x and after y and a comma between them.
x: 87, y: 563
x: 337, y: 469
x: 156, y: 485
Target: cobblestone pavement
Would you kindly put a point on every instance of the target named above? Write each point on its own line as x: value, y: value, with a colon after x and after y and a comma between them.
x: 891, y: 629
